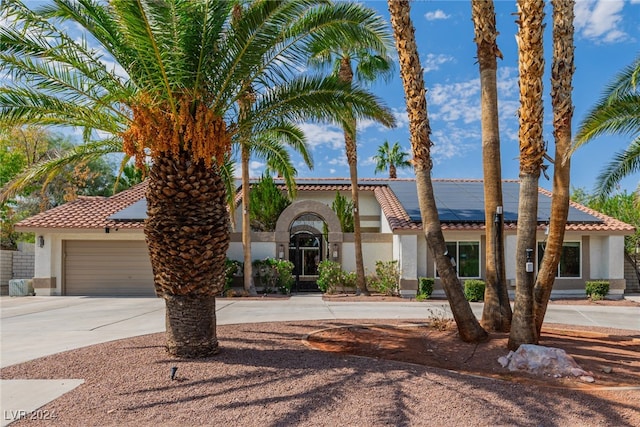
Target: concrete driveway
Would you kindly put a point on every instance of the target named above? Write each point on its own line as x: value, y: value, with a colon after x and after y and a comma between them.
x: 33, y: 327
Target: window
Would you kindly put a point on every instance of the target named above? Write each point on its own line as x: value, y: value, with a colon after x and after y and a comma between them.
x: 569, y: 265
x: 466, y: 256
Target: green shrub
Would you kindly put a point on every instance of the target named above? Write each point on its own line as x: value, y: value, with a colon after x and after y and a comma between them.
x: 425, y: 287
x: 232, y: 268
x: 387, y: 278
x: 474, y: 290
x: 597, y: 289
x: 331, y: 276
x: 274, y: 274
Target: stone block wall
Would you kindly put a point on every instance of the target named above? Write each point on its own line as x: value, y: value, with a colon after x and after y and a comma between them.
x: 23, y: 265
x: 6, y: 271
x: 18, y: 264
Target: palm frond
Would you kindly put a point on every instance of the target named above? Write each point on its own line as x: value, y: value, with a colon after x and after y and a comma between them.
x: 620, y: 117
x: 623, y: 164
x: 322, y: 99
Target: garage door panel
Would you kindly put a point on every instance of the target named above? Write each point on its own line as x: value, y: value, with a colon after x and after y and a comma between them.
x: 107, y: 268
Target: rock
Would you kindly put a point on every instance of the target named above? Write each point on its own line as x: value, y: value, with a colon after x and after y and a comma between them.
x: 607, y: 369
x: 547, y: 361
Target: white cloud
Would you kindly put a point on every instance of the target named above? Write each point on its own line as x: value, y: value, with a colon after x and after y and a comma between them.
x: 599, y: 20
x: 433, y: 62
x: 457, y: 101
x: 436, y: 15
x: 338, y: 161
x: 256, y: 168
x: 319, y: 135
x: 454, y: 142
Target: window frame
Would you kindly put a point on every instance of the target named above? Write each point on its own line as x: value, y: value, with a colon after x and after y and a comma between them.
x: 540, y: 255
x: 457, y: 258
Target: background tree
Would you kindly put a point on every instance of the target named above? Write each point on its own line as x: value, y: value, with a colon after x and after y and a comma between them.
x: 370, y: 52
x: 617, y: 112
x: 392, y: 158
x: 344, y: 210
x: 267, y: 203
x: 23, y: 148
x: 562, y: 70
x: 622, y: 206
x: 496, y: 313
x: 185, y: 68
x: 413, y: 83
x: 532, y: 150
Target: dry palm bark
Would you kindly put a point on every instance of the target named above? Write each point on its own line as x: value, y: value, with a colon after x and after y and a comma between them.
x: 413, y: 82
x: 562, y: 70
x: 187, y: 226
x: 496, y: 314
x: 532, y: 150
x: 346, y: 75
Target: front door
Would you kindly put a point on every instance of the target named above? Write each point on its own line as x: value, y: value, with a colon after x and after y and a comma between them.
x: 305, y: 251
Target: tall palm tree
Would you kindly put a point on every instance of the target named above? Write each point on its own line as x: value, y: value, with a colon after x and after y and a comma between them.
x: 562, y: 70
x: 186, y: 65
x: 617, y: 112
x: 496, y: 314
x: 413, y: 82
x: 392, y: 158
x: 370, y: 53
x: 532, y: 150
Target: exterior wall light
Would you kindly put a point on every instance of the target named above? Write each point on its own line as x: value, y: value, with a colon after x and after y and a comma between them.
x: 41, y: 241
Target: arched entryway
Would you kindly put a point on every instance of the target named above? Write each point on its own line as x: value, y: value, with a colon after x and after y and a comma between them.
x: 307, y: 248
x: 311, y: 232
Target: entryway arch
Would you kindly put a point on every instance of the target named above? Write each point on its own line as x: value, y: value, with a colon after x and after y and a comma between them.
x: 308, y: 232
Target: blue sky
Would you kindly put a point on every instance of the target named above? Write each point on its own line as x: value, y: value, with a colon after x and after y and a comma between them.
x: 607, y: 39
x: 607, y: 34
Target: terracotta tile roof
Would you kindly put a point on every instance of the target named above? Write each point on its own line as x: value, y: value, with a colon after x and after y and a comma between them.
x: 93, y: 212
x: 87, y: 212
x: 608, y: 224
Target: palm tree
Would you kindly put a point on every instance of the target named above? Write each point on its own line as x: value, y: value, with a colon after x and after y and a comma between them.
x: 532, y: 150
x: 185, y: 67
x: 413, y: 82
x: 617, y: 112
x: 370, y: 52
x: 392, y: 158
x: 496, y: 314
x: 561, y: 77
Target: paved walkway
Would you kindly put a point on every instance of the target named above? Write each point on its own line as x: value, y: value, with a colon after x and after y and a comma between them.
x: 34, y: 327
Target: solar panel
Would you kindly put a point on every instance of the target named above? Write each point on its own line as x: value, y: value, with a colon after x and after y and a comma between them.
x: 457, y: 201
x: 132, y: 213
x: 463, y: 201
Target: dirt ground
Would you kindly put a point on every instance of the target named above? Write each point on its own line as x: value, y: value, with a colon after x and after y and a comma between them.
x: 272, y: 375
x: 612, y: 356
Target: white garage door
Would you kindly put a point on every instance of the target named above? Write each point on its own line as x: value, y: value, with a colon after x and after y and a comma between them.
x: 107, y: 268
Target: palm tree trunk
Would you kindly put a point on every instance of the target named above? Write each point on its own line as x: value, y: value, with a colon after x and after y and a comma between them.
x: 531, y: 67
x: 346, y: 75
x: 561, y: 77
x: 248, y: 284
x: 413, y: 82
x: 392, y: 171
x: 496, y: 314
x: 187, y: 232
x: 523, y: 330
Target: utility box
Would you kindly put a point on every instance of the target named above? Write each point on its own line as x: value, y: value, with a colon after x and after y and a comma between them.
x: 21, y: 287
